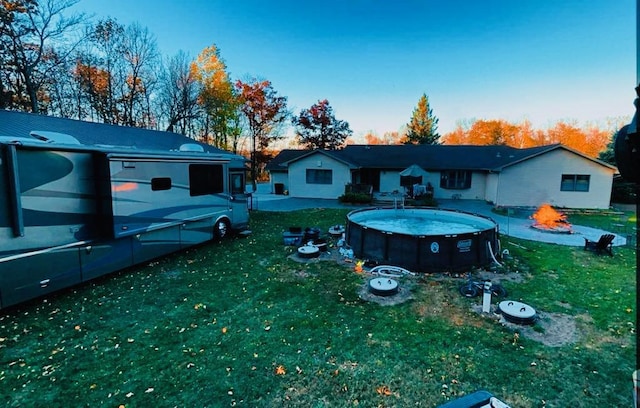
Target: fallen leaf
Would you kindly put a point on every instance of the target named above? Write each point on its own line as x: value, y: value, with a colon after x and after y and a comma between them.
x: 280, y: 370
x: 383, y: 390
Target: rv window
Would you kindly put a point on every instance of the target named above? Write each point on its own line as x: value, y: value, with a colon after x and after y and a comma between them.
x: 160, y: 183
x: 237, y: 184
x: 205, y: 179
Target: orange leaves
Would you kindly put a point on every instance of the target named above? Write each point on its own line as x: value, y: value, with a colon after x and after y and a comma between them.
x: 210, y: 69
x: 389, y: 138
x: 92, y: 78
x: 384, y: 390
x: 588, y: 140
x: 280, y: 370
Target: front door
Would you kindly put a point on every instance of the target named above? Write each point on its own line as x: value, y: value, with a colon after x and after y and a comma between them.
x: 370, y: 177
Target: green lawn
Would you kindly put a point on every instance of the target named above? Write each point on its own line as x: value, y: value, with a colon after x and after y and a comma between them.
x: 239, y: 323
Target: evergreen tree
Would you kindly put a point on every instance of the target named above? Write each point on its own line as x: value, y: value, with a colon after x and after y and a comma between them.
x: 423, y: 126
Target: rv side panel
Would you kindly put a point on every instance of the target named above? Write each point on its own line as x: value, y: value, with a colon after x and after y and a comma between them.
x: 152, y: 244
x: 195, y: 232
x: 101, y: 258
x: 152, y: 194
x: 32, y: 276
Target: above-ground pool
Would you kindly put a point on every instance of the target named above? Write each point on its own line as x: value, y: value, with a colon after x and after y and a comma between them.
x: 423, y: 239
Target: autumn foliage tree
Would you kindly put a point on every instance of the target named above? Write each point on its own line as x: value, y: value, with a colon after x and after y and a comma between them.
x: 318, y: 128
x: 217, y: 96
x: 388, y: 138
x: 265, y: 112
x: 589, y: 140
x: 422, y: 129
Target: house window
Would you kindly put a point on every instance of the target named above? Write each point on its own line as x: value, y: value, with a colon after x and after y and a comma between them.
x: 160, y: 183
x: 455, y: 179
x: 205, y: 179
x: 315, y: 176
x: 575, y: 182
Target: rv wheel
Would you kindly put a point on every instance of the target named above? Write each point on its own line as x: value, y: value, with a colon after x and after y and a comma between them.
x: 221, y: 229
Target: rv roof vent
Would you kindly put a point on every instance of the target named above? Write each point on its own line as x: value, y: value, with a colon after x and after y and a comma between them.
x: 191, y: 147
x: 17, y: 140
x: 54, y: 137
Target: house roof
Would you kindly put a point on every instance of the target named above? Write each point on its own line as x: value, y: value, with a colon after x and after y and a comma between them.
x: 21, y: 124
x: 429, y: 157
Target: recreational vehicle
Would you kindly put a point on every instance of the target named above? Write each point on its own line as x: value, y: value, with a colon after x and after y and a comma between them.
x: 71, y: 212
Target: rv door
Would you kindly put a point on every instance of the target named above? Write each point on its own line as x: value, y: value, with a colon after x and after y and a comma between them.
x: 238, y: 199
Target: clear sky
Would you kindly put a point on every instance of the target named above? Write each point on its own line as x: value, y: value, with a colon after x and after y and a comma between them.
x: 540, y: 60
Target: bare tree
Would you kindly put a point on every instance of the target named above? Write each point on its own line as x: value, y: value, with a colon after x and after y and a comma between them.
x: 32, y: 33
x: 117, y: 71
x: 178, y: 94
x: 141, y: 57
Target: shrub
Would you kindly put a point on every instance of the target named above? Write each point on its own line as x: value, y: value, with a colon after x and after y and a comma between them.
x: 426, y: 201
x: 355, y: 198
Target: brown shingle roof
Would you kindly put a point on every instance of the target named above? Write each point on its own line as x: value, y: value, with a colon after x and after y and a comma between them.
x: 429, y: 157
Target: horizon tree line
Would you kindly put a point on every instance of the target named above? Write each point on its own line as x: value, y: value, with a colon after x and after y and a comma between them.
x: 63, y: 64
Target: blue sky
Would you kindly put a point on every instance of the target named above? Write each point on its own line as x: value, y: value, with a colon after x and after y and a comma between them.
x: 540, y: 60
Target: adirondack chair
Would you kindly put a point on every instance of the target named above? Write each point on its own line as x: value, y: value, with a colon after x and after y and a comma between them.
x: 603, y: 245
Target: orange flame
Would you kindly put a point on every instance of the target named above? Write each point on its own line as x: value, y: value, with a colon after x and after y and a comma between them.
x: 548, y: 218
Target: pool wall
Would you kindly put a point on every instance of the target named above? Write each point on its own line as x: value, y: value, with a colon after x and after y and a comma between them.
x: 424, y: 252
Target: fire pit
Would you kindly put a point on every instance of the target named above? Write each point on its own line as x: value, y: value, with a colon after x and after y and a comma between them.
x: 549, y: 220
x: 383, y: 286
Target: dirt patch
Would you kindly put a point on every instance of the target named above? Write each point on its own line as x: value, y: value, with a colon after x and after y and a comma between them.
x: 550, y: 329
x: 403, y: 295
x: 324, y: 256
x: 494, y: 277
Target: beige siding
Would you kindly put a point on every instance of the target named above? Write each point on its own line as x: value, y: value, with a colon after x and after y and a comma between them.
x: 537, y: 180
x: 298, y: 186
x: 491, y: 189
x: 475, y: 192
x: 279, y: 177
x: 390, y: 181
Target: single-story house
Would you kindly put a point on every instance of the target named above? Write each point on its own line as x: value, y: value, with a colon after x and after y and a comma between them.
x: 502, y: 175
